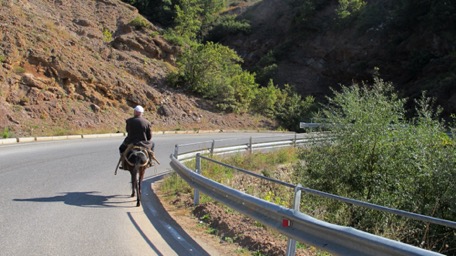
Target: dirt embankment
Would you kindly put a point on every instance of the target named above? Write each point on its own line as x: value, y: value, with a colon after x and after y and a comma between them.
x: 226, y: 228
x: 80, y: 66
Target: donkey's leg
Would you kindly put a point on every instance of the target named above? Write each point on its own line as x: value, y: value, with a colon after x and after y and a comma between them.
x: 140, y: 178
x: 138, y: 195
x: 133, y: 182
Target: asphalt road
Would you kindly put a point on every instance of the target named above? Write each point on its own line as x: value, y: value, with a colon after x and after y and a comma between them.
x: 62, y: 198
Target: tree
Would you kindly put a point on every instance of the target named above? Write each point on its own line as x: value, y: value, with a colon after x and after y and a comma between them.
x: 292, y: 109
x: 188, y: 17
x: 265, y: 100
x: 214, y: 72
x: 187, y: 21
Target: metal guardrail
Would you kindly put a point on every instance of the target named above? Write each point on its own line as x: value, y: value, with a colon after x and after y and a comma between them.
x: 228, y: 146
x: 410, y: 215
x: 336, y: 239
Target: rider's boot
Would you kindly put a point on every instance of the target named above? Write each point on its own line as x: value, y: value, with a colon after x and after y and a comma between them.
x: 122, y: 162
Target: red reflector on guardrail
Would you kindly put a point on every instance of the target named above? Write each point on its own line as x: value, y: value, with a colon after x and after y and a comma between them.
x: 286, y: 223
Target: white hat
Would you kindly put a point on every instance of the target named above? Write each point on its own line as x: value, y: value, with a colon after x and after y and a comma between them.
x: 139, y: 109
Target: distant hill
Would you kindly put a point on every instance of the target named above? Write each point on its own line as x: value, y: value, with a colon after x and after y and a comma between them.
x: 411, y: 42
x: 80, y: 66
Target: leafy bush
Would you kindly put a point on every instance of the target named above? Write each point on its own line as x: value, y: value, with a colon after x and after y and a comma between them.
x: 291, y: 108
x: 18, y: 69
x: 349, y: 7
x: 265, y: 100
x: 283, y: 104
x: 107, y: 35
x: 380, y: 157
x: 266, y: 67
x: 306, y: 9
x: 174, y: 184
x: 139, y: 22
x: 187, y: 22
x: 6, y: 133
x: 225, y: 26
x: 213, y: 71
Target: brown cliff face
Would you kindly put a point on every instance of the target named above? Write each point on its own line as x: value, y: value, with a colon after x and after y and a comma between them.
x: 79, y: 66
x: 320, y: 52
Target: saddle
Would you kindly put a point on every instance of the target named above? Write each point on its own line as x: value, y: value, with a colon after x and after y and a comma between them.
x: 130, y: 147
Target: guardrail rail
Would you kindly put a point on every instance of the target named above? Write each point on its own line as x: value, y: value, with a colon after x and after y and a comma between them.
x: 297, y: 226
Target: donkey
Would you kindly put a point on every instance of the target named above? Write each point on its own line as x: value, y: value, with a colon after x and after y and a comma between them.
x: 137, y: 160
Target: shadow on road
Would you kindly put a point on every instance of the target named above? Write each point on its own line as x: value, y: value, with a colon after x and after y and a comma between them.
x: 170, y: 230
x: 150, y: 243
x: 83, y: 199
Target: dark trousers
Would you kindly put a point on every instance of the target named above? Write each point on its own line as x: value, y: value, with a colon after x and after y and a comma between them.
x: 122, y: 148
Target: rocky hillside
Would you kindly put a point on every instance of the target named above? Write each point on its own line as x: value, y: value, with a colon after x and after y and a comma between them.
x: 412, y: 46
x: 80, y: 66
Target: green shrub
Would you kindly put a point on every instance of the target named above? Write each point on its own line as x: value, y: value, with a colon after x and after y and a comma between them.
x: 175, y: 185
x: 291, y: 108
x: 347, y: 8
x: 170, y: 36
x: 213, y: 71
x: 107, y: 35
x: 188, y: 19
x: 381, y: 157
x: 139, y: 22
x: 7, y: 133
x: 227, y: 25
x: 18, y: 70
x: 283, y: 104
x: 266, y: 68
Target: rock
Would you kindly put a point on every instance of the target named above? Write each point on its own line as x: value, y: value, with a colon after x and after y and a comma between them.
x: 95, y: 108
x: 164, y: 111
x: 29, y: 80
x: 11, y: 119
x: 82, y: 22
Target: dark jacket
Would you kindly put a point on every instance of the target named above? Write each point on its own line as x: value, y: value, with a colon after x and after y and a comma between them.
x: 139, y: 132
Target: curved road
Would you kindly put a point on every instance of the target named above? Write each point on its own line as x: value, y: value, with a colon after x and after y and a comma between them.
x: 62, y: 198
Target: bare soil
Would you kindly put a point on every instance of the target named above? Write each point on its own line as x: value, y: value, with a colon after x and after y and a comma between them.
x: 230, y: 232
x: 72, y: 67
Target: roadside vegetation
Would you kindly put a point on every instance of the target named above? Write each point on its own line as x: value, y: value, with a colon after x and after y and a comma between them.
x: 384, y: 155
x: 380, y: 153
x: 265, y: 163
x: 229, y: 225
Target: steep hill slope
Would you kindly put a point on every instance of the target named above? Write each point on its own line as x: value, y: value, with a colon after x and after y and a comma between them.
x: 77, y: 66
x: 410, y: 42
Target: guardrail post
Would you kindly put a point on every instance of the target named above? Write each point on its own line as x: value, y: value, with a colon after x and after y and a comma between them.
x: 197, y: 170
x: 291, y: 246
x: 250, y: 145
x: 176, y: 150
x: 295, y: 139
x: 212, y: 148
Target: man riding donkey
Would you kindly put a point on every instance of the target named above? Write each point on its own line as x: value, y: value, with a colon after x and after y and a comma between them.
x: 139, y: 133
